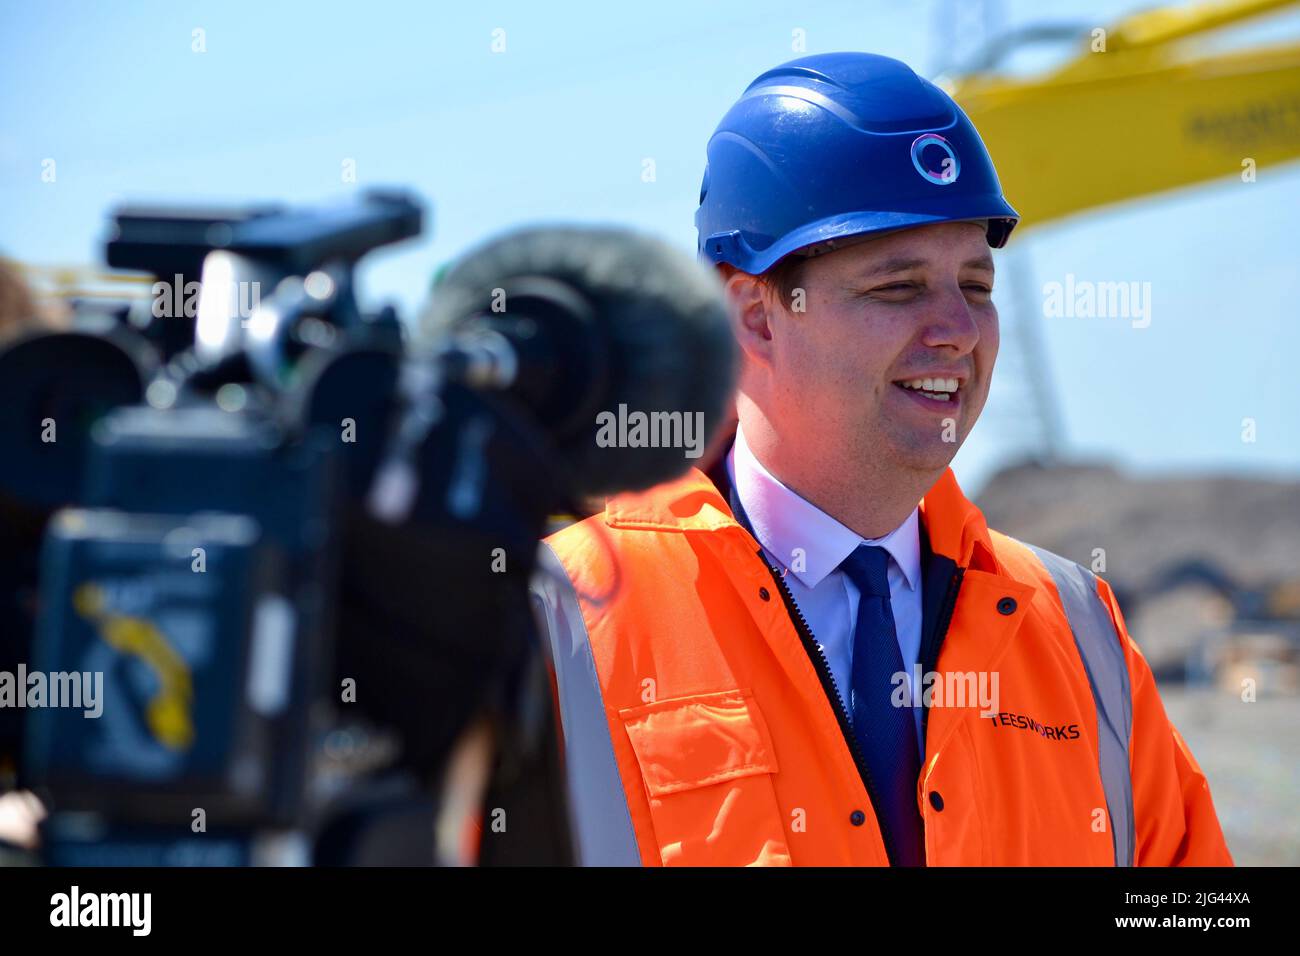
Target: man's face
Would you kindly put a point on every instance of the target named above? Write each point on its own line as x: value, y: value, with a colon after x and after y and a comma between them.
x: 882, y: 317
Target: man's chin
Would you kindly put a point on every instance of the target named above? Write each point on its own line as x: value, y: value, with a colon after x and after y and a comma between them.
x: 924, y: 454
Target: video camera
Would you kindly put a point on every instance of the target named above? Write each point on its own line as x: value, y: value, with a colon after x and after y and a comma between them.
x: 285, y: 554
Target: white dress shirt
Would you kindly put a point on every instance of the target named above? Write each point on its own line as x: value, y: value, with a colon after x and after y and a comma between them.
x: 809, y: 545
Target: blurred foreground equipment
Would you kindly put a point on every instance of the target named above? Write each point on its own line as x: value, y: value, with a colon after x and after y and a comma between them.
x: 296, y: 553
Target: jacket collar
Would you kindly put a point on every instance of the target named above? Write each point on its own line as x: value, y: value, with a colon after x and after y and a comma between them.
x: 697, y: 502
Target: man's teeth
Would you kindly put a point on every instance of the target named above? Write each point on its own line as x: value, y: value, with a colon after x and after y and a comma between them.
x: 940, y: 388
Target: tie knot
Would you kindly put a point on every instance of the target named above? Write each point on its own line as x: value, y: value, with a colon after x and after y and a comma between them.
x: 868, y: 569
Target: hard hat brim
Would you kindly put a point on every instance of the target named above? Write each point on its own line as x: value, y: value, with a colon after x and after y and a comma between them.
x: 824, y: 235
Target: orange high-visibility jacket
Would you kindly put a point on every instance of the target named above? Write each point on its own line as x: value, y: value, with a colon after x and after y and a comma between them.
x: 702, y: 727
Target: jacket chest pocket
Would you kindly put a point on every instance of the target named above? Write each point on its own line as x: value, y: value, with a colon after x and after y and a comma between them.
x: 707, y: 764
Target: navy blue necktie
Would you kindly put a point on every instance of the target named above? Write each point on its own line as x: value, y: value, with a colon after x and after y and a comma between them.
x: 886, y: 734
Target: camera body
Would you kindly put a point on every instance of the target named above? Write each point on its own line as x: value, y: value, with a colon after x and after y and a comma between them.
x: 195, y: 583
x: 209, y: 481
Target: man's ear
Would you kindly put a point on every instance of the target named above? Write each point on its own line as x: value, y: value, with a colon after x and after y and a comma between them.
x: 751, y: 314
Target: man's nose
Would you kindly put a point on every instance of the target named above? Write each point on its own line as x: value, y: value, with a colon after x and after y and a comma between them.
x: 950, y: 323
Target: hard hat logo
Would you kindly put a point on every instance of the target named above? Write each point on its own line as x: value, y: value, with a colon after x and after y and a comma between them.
x: 935, y: 159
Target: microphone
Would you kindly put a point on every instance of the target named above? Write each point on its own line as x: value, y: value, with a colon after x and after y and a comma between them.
x: 617, y: 344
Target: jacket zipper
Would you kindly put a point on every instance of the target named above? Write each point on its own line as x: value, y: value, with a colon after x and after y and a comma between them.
x: 832, y: 691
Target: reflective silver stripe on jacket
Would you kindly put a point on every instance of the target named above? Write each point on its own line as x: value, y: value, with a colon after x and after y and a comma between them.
x: 1102, y: 653
x: 602, y: 824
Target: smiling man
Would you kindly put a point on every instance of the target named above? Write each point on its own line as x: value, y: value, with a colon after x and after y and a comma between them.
x: 818, y: 653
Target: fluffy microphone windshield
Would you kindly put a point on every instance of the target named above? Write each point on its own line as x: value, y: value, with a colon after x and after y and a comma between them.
x: 626, y: 355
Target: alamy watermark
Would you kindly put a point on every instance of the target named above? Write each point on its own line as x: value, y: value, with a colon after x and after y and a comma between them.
x: 946, y: 689
x: 638, y: 429
x: 133, y: 911
x: 1085, y: 299
x: 180, y: 299
x: 76, y: 689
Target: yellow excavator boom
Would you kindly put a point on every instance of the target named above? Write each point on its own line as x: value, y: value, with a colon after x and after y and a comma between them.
x: 1139, y: 112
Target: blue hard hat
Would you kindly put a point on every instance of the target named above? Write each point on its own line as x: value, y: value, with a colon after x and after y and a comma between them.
x: 825, y: 149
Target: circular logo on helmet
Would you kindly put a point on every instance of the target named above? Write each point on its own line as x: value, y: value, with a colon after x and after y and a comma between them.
x: 935, y: 159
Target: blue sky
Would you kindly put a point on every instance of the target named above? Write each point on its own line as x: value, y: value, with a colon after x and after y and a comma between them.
x: 557, y: 127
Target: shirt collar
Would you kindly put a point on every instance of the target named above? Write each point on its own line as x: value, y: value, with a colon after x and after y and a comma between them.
x: 783, y: 522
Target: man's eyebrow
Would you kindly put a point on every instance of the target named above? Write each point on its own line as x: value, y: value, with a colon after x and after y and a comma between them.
x: 890, y: 266
x: 904, y: 263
